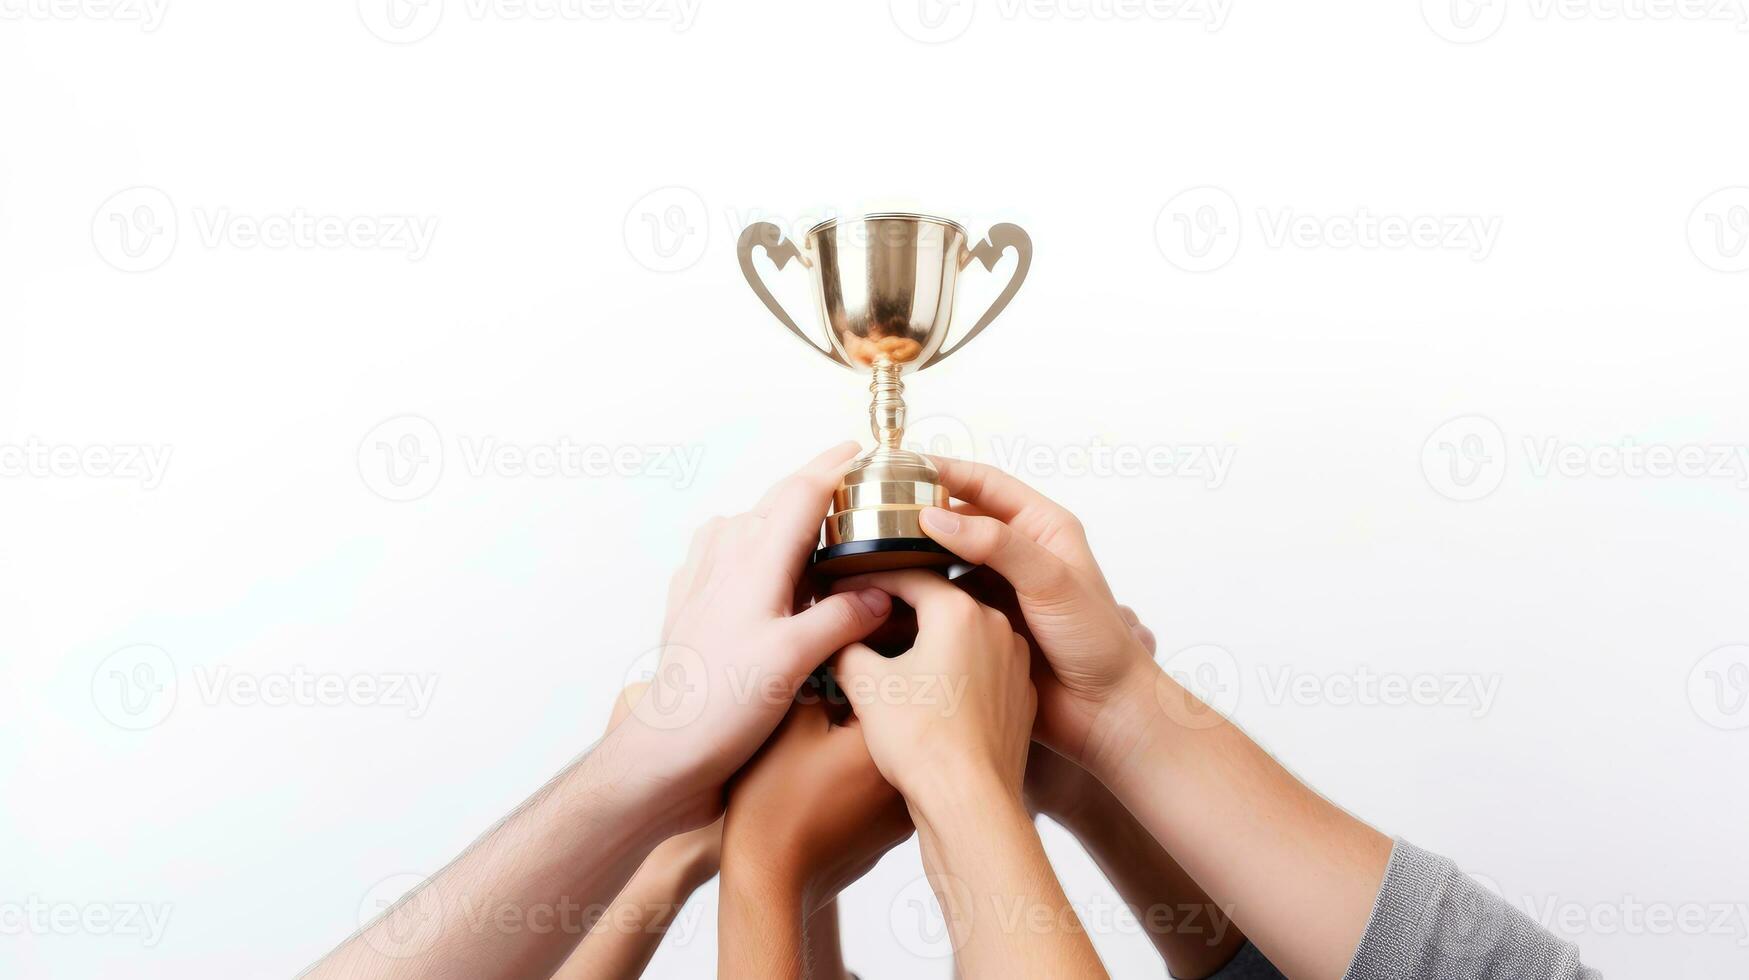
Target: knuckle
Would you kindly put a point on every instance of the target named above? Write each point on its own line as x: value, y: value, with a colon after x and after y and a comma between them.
x: 845, y: 613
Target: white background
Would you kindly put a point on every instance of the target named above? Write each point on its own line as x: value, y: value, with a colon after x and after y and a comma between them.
x: 587, y: 177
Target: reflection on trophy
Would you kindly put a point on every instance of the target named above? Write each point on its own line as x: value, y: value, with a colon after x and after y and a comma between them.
x: 885, y: 286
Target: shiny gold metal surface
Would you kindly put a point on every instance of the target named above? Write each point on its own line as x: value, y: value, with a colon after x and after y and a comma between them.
x: 884, y: 288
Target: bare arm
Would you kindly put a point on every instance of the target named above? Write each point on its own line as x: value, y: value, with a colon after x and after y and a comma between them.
x: 500, y: 910
x: 1194, y: 935
x: 959, y: 760
x: 1296, y: 871
x: 1301, y: 873
x: 571, y: 846
x: 626, y: 936
x: 809, y: 815
x: 1005, y: 910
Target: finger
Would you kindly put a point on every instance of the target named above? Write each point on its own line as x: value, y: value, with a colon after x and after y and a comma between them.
x: 811, y: 635
x: 1145, y: 637
x: 1129, y: 616
x: 927, y: 592
x: 700, y: 556
x: 1033, y: 571
x: 995, y: 492
x: 856, y: 668
x: 790, y: 513
x: 827, y: 464
x: 623, y: 704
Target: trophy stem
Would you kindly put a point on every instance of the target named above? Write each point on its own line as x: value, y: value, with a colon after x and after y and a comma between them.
x: 886, y: 414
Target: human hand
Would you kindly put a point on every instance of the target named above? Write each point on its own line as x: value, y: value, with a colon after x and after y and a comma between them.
x: 687, y: 859
x: 949, y: 722
x: 811, y: 813
x: 1100, y: 672
x: 1055, y: 787
x: 957, y: 704
x: 733, y: 652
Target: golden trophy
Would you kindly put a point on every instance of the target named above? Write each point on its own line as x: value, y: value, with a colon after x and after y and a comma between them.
x: 885, y: 286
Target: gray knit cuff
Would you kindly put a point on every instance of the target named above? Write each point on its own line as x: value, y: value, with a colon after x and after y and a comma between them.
x: 1247, y: 964
x: 1432, y: 920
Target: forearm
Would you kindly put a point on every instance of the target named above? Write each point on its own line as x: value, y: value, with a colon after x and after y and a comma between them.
x: 1194, y: 935
x: 622, y: 942
x: 759, y: 923
x: 1005, y: 910
x: 515, y: 902
x: 825, y: 955
x: 1296, y: 870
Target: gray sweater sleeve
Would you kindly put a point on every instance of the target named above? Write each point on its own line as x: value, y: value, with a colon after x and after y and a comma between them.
x: 1432, y: 920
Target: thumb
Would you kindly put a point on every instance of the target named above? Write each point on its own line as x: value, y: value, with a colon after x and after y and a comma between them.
x: 1033, y: 571
x: 816, y: 631
x: 856, y: 668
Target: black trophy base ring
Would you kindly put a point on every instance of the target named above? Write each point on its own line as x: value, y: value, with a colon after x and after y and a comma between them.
x: 880, y: 555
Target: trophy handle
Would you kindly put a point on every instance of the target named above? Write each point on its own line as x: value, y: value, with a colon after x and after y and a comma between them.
x: 764, y: 234
x: 1001, y: 238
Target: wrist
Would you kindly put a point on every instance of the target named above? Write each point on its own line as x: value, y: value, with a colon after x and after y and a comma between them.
x: 657, y: 805
x: 949, y: 793
x: 1128, y: 722
x: 681, y: 872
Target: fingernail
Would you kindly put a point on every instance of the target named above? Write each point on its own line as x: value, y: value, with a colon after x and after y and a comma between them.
x: 877, y: 602
x: 940, y: 521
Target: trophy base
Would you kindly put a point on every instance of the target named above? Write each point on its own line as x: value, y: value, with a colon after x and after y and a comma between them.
x: 881, y: 555
x: 873, y: 525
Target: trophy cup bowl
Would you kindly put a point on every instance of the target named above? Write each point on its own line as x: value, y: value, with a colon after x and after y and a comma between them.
x: 884, y: 288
